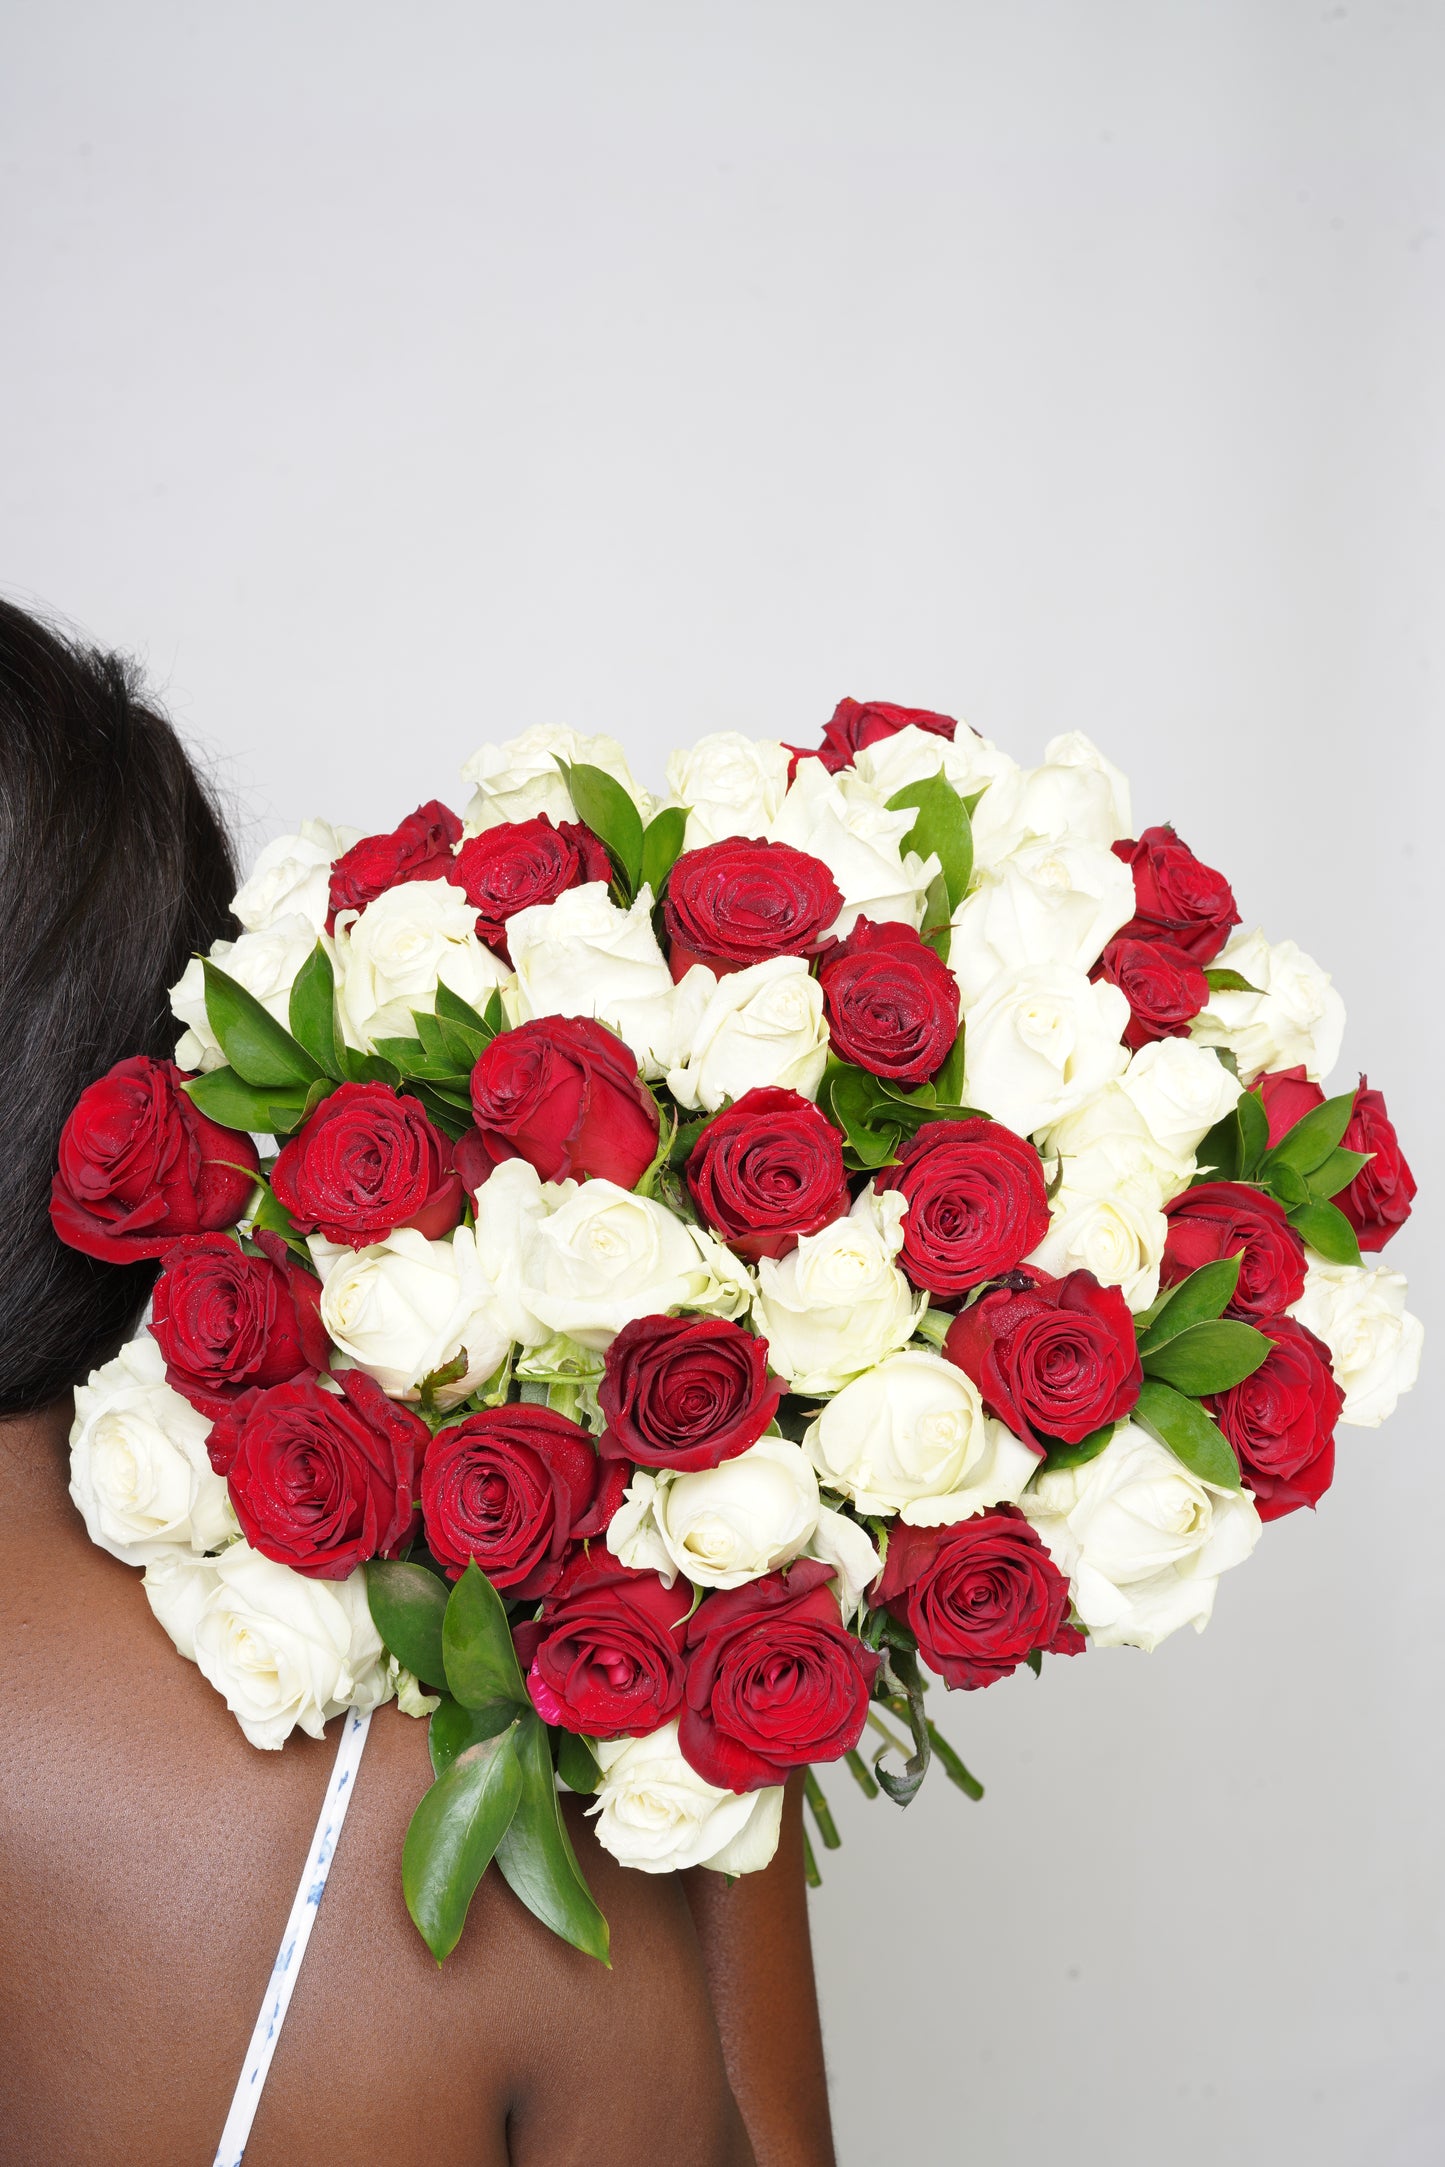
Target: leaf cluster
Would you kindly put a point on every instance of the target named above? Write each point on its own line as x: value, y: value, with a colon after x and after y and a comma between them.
x: 1304, y: 1170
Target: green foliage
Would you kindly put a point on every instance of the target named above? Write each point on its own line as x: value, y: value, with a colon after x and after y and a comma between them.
x: 1223, y: 980
x: 260, y: 1050
x: 535, y: 1855
x: 1182, y: 1424
x: 1314, y: 1136
x: 408, y: 1604
x: 313, y: 1012
x: 942, y: 827
x: 481, y: 1663
x: 1327, y: 1230
x: 224, y: 1096
x: 1088, y: 1448
x: 453, y: 1729
x: 662, y: 847
x: 454, y: 1835
x: 604, y: 806
x: 876, y: 1117
x: 1205, y: 1294
x: 1208, y: 1357
x: 902, y: 1693
x: 576, y: 1762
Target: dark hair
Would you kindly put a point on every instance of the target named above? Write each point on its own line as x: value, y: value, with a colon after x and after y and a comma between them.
x: 115, y: 867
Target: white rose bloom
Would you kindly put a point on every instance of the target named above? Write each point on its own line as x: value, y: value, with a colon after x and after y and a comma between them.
x: 139, y: 1472
x: 520, y: 778
x: 605, y: 1256
x: 1118, y: 1239
x: 585, y: 956
x: 265, y: 963
x: 392, y: 956
x: 1040, y: 1041
x: 1075, y: 794
x: 911, y: 1437
x: 726, y: 1524
x: 1073, y: 749
x: 1295, y: 1016
x: 1359, y: 1312
x: 1049, y: 902
x: 287, y: 1651
x: 1105, y: 1148
x: 509, y: 1208
x: 1142, y: 1540
x: 177, y: 1583
x: 1180, y: 1090
x: 656, y: 1814
x: 732, y: 785
x: 838, y: 819
x: 293, y: 876
x: 837, y: 1303
x: 407, y: 1306
x: 760, y: 1026
x: 967, y: 761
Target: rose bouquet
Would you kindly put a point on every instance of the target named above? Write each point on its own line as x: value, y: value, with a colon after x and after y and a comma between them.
x: 652, y: 1285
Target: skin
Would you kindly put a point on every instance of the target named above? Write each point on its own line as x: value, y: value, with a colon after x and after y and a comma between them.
x: 150, y: 1856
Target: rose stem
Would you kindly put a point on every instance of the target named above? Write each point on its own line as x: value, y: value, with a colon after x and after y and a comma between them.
x: 827, y: 1829
x: 810, y: 1865
x: 862, y: 1774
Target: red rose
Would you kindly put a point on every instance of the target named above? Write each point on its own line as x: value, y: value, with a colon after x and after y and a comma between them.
x: 1287, y: 1095
x: 857, y: 723
x: 521, y: 863
x: 976, y: 1204
x: 766, y: 1171
x: 420, y: 849
x: 1377, y: 1202
x: 606, y: 1656
x: 740, y: 902
x: 684, y: 1392
x: 227, y: 1322
x: 892, y: 1005
x: 140, y: 1165
x: 564, y: 1093
x: 1281, y: 1421
x: 774, y: 1680
x: 1052, y: 1357
x: 367, y: 1162
x: 1223, y: 1219
x: 478, y: 1157
x: 1163, y: 985
x: 321, y: 1480
x: 1175, y: 897
x: 512, y: 1487
x: 978, y: 1597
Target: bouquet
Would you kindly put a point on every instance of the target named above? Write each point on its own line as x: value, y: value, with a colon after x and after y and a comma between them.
x: 658, y: 1285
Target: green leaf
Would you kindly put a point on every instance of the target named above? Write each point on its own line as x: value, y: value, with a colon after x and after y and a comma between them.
x: 609, y: 812
x: 448, y: 1115
x: 937, y: 923
x: 453, y: 1729
x: 481, y: 1663
x: 224, y: 1096
x: 1204, y: 1294
x: 1188, y: 1431
x: 1218, y: 1155
x: 454, y: 1835
x: 1253, y: 1133
x: 1284, y: 1183
x: 948, y: 1083
x: 1314, y: 1136
x: 1328, y: 1232
x: 662, y: 847
x: 1211, y: 1357
x: 576, y: 1763
x: 368, y: 1067
x: 407, y: 1607
x: 856, y: 1104
x: 313, y: 1011
x: 1224, y: 981
x: 943, y: 826
x: 271, y: 1217
x: 1338, y: 1171
x: 536, y: 1855
x: 259, y: 1049
x: 1088, y: 1448
x: 453, y: 1009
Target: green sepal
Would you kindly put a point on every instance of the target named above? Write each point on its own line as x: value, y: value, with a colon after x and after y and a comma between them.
x: 313, y: 1012
x: 454, y: 1835
x: 408, y: 1604
x: 453, y: 1729
x: 536, y: 1856
x: 1209, y: 1357
x: 260, y: 1050
x: 1193, y: 1438
x: 481, y: 1663
x: 942, y: 828
x: 604, y: 806
x: 1205, y: 1294
x: 662, y: 847
x: 1088, y: 1448
x: 1328, y: 1232
x: 576, y: 1763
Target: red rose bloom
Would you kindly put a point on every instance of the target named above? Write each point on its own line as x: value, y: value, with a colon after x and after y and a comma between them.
x: 856, y: 723
x: 521, y: 863
x: 1163, y: 985
x: 1286, y: 1095
x: 978, y: 1597
x: 766, y: 1171
x: 976, y: 1204
x: 1281, y: 1421
x: 1377, y: 1202
x: 564, y: 1093
x: 420, y: 849
x: 140, y: 1165
x: 1223, y: 1219
x: 774, y: 1680
x: 892, y: 1006
x: 320, y: 1480
x: 227, y: 1323
x: 606, y: 1656
x: 1052, y: 1357
x: 684, y: 1392
x: 512, y: 1487
x: 367, y: 1162
x: 1176, y: 898
x: 739, y: 902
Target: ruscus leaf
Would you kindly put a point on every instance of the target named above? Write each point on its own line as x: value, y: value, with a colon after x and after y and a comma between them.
x: 313, y: 1011
x: 1314, y: 1136
x: 662, y: 847
x: 536, y: 1856
x: 1203, y: 1295
x: 1328, y: 1232
x: 942, y: 826
x: 604, y: 806
x: 454, y: 1835
x: 408, y: 1605
x: 1210, y: 1357
x: 481, y: 1663
x: 1187, y: 1430
x: 260, y: 1050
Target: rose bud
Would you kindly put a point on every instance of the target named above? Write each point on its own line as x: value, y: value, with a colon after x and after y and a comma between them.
x: 367, y: 1162
x: 1281, y: 1421
x: 684, y: 1392
x: 892, y: 1006
x: 512, y: 1487
x: 977, y: 1204
x: 1377, y: 1202
x: 856, y: 723
x: 420, y: 849
x: 606, y: 1656
x: 523, y: 863
x: 564, y: 1093
x: 774, y: 1680
x: 227, y: 1322
x: 1053, y: 1358
x: 321, y: 1480
x: 739, y: 902
x: 1176, y: 898
x: 766, y: 1171
x: 1163, y: 985
x: 1224, y: 1219
x: 140, y: 1166
x: 979, y: 1597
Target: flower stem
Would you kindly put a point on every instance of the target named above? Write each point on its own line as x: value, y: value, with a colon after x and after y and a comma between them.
x: 827, y: 1828
x: 810, y: 1865
x: 862, y: 1774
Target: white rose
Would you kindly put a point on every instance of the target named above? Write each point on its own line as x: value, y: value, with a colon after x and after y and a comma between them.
x: 605, y: 1256
x: 1040, y: 1041
x: 911, y: 1437
x: 732, y: 785
x: 1359, y: 1312
x: 1105, y: 1148
x: 407, y: 1306
x: 837, y: 1303
x: 177, y: 1583
x: 520, y: 778
x: 839, y: 819
x: 292, y: 876
x: 967, y: 761
x: 585, y: 956
x: 265, y: 963
x: 1295, y: 1016
x: 726, y: 1524
x: 284, y: 1650
x: 1143, y: 1541
x: 1076, y: 793
x: 1180, y: 1090
x: 1050, y: 902
x: 509, y: 1208
x: 760, y: 1026
x: 1117, y: 1238
x: 391, y: 958
x: 139, y: 1472
x: 656, y: 1814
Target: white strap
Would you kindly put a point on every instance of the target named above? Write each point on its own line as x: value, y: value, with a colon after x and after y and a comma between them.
x: 236, y: 2134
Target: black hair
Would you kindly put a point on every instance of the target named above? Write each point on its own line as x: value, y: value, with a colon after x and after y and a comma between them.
x: 115, y: 867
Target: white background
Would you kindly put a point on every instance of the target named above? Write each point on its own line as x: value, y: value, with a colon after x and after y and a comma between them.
x: 391, y: 378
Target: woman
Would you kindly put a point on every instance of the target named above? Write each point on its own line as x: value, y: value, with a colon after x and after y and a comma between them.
x: 150, y: 1856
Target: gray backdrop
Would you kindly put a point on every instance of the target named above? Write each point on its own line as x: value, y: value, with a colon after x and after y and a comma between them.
x: 390, y: 378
